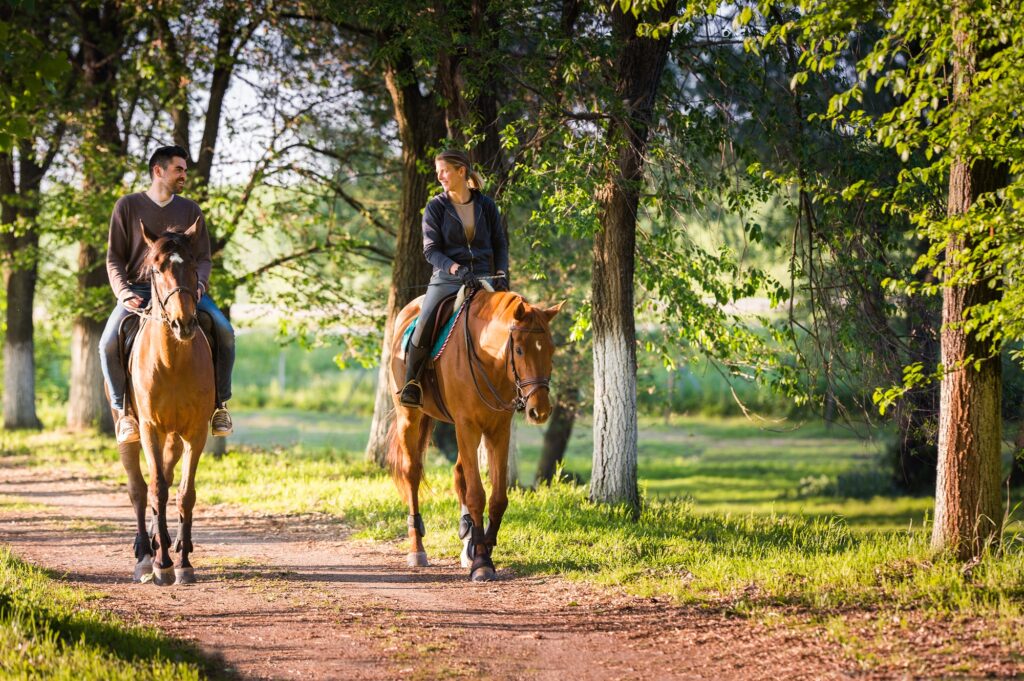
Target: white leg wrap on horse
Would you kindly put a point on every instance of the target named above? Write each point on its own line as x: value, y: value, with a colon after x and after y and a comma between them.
x: 143, y: 569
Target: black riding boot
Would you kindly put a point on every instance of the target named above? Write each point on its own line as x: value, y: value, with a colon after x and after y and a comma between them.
x: 412, y: 392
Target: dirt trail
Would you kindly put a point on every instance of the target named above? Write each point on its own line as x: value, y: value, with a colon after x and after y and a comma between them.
x: 288, y: 597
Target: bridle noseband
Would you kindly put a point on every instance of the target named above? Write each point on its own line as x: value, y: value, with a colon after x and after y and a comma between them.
x: 496, y: 402
x: 162, y: 317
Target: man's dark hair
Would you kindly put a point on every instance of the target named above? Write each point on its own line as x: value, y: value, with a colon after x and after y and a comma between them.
x: 162, y: 157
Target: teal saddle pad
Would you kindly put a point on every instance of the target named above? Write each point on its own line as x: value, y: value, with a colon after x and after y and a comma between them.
x: 442, y: 337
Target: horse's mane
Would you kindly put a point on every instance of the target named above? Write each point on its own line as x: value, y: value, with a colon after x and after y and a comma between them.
x: 503, y: 307
x: 170, y: 242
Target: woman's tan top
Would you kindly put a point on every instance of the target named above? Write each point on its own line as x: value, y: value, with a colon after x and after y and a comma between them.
x: 467, y: 214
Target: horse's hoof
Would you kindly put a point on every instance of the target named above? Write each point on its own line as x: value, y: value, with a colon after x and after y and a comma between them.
x: 184, y: 576
x: 483, y: 574
x: 143, y: 570
x: 417, y: 559
x: 465, y: 558
x: 163, y: 576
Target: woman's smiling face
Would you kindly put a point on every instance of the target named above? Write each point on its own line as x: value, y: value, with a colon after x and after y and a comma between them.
x: 451, y: 177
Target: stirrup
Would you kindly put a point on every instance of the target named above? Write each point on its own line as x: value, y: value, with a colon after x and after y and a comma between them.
x: 127, y: 430
x: 410, y: 399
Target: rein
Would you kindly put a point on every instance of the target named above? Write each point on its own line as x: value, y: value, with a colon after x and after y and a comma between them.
x: 496, y: 402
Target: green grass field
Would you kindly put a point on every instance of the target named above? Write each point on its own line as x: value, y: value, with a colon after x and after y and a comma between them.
x: 721, y: 465
x: 48, y: 631
x: 721, y: 523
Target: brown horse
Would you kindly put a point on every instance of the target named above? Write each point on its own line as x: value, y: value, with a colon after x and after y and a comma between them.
x: 173, y: 395
x: 498, y: 360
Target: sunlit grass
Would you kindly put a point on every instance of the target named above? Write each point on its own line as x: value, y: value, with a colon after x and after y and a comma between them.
x: 48, y: 630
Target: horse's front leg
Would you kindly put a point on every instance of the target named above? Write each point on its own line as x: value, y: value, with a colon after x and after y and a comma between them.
x: 481, y: 568
x: 129, y: 453
x: 152, y: 444
x: 184, y: 572
x: 497, y: 443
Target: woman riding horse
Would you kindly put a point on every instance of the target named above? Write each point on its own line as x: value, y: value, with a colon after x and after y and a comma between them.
x: 464, y: 240
x: 500, y: 363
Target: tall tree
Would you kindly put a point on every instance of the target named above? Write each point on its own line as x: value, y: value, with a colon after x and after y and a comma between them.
x: 34, y: 131
x: 103, y: 35
x: 955, y: 104
x: 637, y: 74
x: 968, y: 505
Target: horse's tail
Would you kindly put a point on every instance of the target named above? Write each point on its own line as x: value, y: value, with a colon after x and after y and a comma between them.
x: 399, y: 467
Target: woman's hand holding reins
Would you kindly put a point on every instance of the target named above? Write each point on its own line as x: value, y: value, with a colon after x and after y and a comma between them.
x: 468, y: 278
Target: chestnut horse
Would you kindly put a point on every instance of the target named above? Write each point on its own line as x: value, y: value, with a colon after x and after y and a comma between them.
x: 173, y: 395
x: 497, y: 360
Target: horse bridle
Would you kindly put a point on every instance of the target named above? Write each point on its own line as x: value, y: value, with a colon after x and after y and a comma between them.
x: 166, y: 299
x: 534, y: 383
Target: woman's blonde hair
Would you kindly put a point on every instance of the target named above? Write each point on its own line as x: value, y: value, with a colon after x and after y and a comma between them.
x: 460, y: 160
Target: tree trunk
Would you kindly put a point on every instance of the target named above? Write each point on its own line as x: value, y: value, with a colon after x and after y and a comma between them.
x: 968, y: 504
x: 420, y: 125
x: 968, y: 507
x: 87, y: 403
x: 638, y: 72
x: 103, y: 34
x: 20, y: 267
x: 556, y: 437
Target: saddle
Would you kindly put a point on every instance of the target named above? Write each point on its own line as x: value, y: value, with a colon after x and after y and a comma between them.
x: 129, y: 330
x: 441, y: 327
x: 443, y: 322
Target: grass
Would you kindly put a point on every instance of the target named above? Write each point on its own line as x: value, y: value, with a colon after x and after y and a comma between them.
x: 727, y: 540
x: 721, y: 465
x: 47, y: 631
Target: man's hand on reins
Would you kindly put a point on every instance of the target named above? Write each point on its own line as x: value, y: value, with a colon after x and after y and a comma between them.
x: 132, y: 302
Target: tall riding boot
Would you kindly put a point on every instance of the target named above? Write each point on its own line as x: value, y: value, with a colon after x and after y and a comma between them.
x: 412, y: 392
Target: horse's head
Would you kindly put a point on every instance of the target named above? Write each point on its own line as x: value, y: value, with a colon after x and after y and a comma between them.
x: 175, y: 280
x: 532, y: 351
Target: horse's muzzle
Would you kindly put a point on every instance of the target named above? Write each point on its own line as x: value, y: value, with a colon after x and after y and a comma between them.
x: 537, y: 415
x: 185, y: 331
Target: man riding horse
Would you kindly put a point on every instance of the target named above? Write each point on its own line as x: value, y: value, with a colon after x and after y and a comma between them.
x: 160, y: 208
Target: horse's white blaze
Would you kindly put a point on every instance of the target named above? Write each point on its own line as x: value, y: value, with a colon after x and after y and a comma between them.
x: 176, y: 258
x: 538, y: 345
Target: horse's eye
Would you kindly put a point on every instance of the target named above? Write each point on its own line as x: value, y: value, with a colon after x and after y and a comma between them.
x: 519, y: 351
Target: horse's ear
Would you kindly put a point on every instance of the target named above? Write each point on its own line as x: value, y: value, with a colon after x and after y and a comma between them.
x: 147, y: 237
x: 552, y: 311
x: 194, y: 229
x: 519, y: 313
